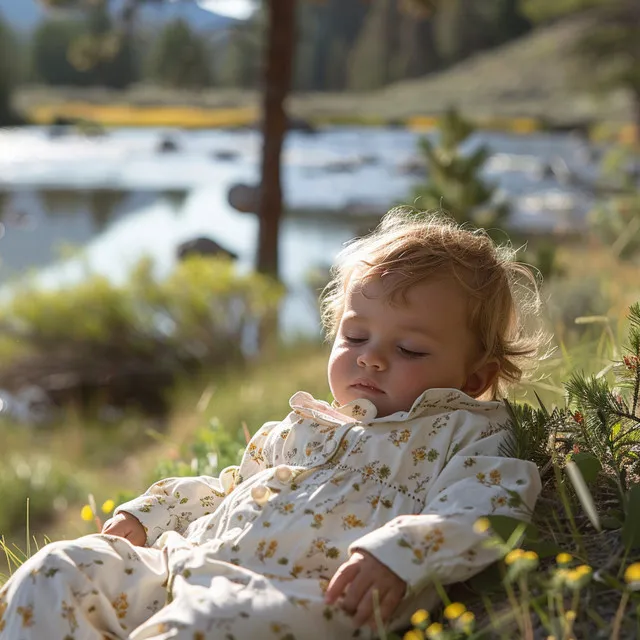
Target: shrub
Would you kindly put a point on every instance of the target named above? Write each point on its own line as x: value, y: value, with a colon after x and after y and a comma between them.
x: 127, y: 344
x: 48, y: 485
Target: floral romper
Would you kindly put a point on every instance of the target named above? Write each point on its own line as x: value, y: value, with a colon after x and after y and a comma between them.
x: 250, y: 554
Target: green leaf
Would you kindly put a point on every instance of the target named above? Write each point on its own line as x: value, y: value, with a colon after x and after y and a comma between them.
x: 487, y: 581
x: 504, y: 526
x: 588, y: 464
x: 631, y: 527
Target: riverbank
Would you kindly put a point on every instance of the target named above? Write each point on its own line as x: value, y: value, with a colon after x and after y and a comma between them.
x: 524, y: 86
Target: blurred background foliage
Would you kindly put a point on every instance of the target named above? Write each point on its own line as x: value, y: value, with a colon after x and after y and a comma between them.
x: 127, y: 344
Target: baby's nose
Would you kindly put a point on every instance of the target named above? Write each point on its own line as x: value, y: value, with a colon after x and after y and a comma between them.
x: 372, y: 358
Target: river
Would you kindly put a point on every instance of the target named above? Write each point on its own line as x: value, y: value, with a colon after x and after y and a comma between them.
x: 117, y: 197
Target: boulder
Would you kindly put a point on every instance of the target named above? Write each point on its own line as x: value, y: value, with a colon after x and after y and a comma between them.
x: 168, y: 145
x: 203, y: 246
x: 243, y: 198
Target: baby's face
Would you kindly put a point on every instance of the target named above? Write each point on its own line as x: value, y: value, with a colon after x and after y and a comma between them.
x: 391, y: 353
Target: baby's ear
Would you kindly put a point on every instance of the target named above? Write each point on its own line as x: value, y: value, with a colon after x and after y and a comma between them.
x: 481, y: 379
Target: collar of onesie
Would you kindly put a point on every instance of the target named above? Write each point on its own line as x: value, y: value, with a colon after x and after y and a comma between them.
x: 429, y: 403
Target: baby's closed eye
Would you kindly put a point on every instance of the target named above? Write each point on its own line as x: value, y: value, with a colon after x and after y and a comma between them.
x: 410, y: 353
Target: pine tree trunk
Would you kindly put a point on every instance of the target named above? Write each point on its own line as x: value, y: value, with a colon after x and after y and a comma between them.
x: 277, y: 83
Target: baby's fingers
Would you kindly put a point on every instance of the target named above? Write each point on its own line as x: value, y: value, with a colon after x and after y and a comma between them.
x: 117, y: 527
x: 109, y: 524
x: 387, y: 607
x: 341, y: 578
x: 364, y: 612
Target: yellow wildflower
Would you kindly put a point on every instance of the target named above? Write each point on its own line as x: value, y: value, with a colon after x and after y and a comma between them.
x: 559, y: 577
x: 454, y: 610
x: 108, y: 506
x: 529, y: 558
x: 514, y: 556
x: 578, y: 577
x: 434, y: 631
x: 414, y: 634
x: 87, y: 513
x: 632, y: 576
x: 564, y: 558
x: 570, y: 615
x: 481, y: 525
x: 465, y: 622
x: 419, y: 617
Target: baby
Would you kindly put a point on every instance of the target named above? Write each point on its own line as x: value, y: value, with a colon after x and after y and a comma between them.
x: 338, y: 513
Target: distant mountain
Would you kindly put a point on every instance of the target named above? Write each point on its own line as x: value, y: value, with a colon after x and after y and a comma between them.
x: 160, y: 13
x: 24, y: 15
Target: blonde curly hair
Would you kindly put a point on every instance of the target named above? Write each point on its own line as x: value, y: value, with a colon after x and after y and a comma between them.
x: 418, y: 246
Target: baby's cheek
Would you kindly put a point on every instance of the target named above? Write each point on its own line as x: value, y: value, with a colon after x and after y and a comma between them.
x: 337, y: 370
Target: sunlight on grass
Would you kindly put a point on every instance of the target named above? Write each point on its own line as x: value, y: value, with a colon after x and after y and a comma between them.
x: 124, y: 115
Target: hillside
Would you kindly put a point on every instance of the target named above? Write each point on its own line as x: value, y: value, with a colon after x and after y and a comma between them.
x: 534, y: 76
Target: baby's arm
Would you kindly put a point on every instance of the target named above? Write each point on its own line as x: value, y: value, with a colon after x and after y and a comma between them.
x: 440, y: 544
x: 174, y: 503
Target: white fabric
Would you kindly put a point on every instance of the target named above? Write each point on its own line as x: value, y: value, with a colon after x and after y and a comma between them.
x: 407, y: 488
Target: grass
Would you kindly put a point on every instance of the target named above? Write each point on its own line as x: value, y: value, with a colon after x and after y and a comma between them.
x: 590, y: 591
x: 79, y: 457
x: 87, y: 114
x: 126, y: 115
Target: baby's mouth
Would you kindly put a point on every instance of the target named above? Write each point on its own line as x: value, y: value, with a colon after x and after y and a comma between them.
x: 365, y: 385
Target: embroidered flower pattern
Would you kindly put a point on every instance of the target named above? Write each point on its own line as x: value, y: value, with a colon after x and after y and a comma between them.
x: 306, y: 490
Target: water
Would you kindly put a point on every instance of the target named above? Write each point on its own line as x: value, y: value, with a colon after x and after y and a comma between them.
x: 117, y: 198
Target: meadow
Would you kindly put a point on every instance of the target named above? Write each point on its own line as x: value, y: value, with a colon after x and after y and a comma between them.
x: 93, y: 117
x: 568, y: 575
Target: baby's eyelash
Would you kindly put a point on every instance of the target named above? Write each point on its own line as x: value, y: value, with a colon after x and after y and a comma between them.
x: 412, y: 354
x: 354, y: 340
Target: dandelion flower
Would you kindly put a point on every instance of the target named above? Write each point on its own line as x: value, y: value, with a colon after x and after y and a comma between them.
x: 632, y: 576
x: 108, y: 506
x: 454, y: 610
x: 564, y: 558
x: 570, y: 615
x: 419, y: 617
x: 87, y: 513
x: 414, y: 634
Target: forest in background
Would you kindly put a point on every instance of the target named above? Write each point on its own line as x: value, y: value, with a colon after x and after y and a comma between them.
x: 343, y: 45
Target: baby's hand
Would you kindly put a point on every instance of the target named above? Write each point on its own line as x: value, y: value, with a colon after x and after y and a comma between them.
x: 361, y: 575
x: 124, y: 525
